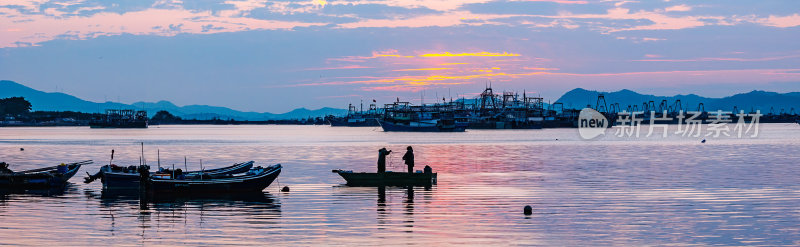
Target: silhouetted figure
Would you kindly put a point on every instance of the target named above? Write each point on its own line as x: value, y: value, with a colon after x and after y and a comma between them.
x: 4, y: 168
x: 409, y: 158
x: 144, y: 173
x: 382, y: 159
x: 427, y: 169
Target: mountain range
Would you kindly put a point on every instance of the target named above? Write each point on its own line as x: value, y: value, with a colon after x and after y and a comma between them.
x: 577, y: 98
x: 43, y: 101
x: 755, y: 100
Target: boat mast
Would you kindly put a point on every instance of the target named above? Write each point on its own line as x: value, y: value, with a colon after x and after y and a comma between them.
x: 143, y: 161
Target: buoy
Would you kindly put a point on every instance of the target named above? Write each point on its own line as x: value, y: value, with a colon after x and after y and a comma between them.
x: 703, y: 141
x: 285, y: 189
x: 21, y: 149
x: 528, y: 210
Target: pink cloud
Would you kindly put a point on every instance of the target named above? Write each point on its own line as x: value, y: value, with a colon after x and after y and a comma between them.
x: 711, y: 59
x: 782, y: 21
x: 341, y: 67
x: 678, y: 8
x: 558, y: 1
x: 163, y: 22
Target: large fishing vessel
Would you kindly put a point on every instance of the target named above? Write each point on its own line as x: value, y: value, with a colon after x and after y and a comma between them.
x: 357, y: 117
x: 402, y: 116
x: 120, y: 119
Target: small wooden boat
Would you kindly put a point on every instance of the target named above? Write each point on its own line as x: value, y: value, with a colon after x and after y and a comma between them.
x: 387, y: 179
x: 54, y: 176
x: 257, y: 179
x: 117, y: 177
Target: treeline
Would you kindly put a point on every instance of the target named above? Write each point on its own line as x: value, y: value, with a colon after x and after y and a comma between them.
x: 16, y: 111
x: 164, y: 117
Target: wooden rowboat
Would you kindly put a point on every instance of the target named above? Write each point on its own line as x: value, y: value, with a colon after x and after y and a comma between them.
x: 387, y: 179
x: 114, y: 177
x: 54, y: 176
x: 257, y: 179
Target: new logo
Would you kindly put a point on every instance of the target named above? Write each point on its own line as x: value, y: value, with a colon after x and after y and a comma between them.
x: 591, y: 124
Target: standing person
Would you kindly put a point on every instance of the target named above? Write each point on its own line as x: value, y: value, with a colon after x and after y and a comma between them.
x: 382, y: 159
x: 409, y: 158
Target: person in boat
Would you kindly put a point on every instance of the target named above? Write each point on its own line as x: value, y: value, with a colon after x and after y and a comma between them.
x: 409, y: 159
x: 4, y: 168
x: 179, y: 174
x: 382, y: 159
x: 144, y: 172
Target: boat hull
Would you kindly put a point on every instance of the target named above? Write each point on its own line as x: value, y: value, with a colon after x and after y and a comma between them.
x: 239, y: 184
x: 114, y: 125
x: 393, y: 127
x: 388, y: 178
x: 45, y: 179
x: 120, y: 180
x: 130, y: 180
x: 368, y: 122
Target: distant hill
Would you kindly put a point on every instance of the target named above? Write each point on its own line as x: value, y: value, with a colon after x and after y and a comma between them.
x: 43, y: 101
x: 756, y: 100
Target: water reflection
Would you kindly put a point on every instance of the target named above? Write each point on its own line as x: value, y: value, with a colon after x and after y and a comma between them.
x: 7, y: 193
x: 158, y: 211
x: 147, y: 201
x: 616, y: 192
x: 389, y: 199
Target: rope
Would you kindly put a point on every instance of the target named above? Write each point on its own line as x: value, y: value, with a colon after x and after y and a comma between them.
x: 391, y: 160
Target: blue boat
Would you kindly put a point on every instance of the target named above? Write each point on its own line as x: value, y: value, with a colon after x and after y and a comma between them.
x: 257, y: 179
x: 48, y: 177
x: 115, y: 177
x: 422, y: 126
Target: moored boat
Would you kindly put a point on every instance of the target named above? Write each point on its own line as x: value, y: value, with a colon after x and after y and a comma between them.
x: 387, y: 178
x: 422, y: 126
x: 113, y: 176
x: 257, y: 179
x: 356, y: 117
x: 48, y: 177
x: 353, y: 122
x: 121, y: 119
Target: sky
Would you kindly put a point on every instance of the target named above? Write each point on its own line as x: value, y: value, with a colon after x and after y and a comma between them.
x: 276, y: 56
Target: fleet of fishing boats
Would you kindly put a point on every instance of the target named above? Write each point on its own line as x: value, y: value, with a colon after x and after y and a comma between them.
x: 241, y: 177
x: 488, y: 111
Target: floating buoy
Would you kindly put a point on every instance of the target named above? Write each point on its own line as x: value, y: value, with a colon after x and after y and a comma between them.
x: 21, y: 149
x: 703, y: 141
x: 285, y: 189
x: 528, y: 210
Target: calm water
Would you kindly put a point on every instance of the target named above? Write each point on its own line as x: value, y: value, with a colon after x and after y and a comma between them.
x: 613, y: 191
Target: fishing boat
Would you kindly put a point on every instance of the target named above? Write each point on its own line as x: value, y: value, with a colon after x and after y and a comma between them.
x: 48, y: 177
x: 438, y: 125
x: 387, y: 178
x: 113, y: 176
x: 356, y: 117
x: 257, y: 179
x: 120, y: 119
x: 353, y: 121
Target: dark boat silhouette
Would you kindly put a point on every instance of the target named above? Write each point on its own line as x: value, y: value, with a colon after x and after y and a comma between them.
x: 257, y: 179
x: 121, y: 119
x: 423, y: 126
x: 48, y: 177
x: 128, y: 177
x: 387, y: 178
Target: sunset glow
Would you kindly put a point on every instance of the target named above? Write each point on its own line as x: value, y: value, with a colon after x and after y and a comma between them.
x: 294, y: 48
